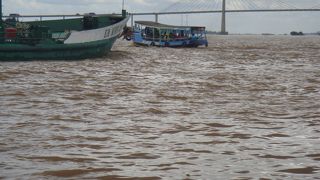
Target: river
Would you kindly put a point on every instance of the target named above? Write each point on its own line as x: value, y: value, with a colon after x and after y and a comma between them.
x: 246, y: 107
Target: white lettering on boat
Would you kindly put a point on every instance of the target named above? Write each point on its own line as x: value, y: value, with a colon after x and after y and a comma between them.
x: 97, y: 34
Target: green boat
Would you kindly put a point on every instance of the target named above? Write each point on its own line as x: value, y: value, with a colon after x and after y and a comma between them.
x: 87, y: 36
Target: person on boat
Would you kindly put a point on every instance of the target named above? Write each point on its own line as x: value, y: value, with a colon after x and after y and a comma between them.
x: 126, y: 33
x: 171, y: 35
x: 156, y: 33
x: 165, y: 36
x: 182, y: 34
x: 193, y: 39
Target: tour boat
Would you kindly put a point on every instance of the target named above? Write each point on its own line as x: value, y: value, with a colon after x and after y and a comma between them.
x: 155, y: 34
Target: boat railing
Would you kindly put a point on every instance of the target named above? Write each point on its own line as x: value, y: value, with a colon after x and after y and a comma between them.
x: 170, y: 38
x: 167, y: 39
x: 173, y: 39
x: 164, y: 39
x: 32, y: 38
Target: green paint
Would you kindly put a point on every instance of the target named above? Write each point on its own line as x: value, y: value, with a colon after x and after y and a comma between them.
x: 74, y: 24
x: 19, y: 52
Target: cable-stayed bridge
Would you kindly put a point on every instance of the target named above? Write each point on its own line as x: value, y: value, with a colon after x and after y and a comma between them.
x: 233, y: 6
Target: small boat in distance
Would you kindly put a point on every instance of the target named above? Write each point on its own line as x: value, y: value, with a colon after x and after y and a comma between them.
x: 155, y: 34
x: 89, y: 36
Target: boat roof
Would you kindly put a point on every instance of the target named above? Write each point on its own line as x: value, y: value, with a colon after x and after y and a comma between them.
x: 165, y: 26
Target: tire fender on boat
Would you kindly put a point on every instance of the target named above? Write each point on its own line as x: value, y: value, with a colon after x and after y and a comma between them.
x: 128, y: 38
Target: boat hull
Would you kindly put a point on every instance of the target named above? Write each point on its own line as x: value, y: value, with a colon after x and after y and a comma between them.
x: 17, y: 52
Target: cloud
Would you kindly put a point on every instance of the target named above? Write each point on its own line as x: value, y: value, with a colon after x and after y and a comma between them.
x: 61, y: 6
x: 236, y: 22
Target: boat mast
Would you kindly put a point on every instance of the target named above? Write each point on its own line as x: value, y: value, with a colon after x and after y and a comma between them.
x: 1, y: 24
x: 1, y: 12
x: 124, y: 12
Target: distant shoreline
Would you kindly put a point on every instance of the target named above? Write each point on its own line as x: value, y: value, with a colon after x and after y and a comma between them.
x: 265, y: 34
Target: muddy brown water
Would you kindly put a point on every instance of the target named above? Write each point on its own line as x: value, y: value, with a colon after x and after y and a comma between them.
x: 246, y: 107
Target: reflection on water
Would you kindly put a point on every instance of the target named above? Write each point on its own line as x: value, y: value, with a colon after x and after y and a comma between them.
x: 247, y: 107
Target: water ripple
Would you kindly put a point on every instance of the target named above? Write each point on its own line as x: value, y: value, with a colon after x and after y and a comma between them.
x: 246, y: 107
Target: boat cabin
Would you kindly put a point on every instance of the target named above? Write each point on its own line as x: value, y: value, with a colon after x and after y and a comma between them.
x: 56, y: 31
x: 155, y: 34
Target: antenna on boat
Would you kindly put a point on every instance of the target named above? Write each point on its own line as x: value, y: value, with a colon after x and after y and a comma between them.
x: 122, y: 4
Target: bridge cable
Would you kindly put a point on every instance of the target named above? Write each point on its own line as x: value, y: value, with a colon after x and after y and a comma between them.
x: 316, y: 6
x: 287, y: 5
x: 252, y: 5
x: 207, y: 5
x: 218, y: 5
x: 232, y: 4
x: 240, y: 5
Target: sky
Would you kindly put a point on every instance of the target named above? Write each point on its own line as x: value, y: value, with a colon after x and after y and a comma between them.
x: 255, y: 23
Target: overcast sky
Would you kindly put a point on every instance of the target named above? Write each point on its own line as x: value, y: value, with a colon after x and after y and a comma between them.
x: 266, y: 22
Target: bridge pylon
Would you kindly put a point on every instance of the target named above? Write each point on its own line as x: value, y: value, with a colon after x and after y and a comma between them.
x: 223, y: 19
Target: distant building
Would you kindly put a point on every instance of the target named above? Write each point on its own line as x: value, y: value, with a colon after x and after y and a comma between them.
x: 294, y: 33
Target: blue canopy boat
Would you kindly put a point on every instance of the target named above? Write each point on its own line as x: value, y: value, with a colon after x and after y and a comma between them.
x: 155, y: 34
